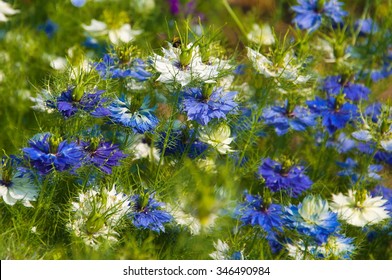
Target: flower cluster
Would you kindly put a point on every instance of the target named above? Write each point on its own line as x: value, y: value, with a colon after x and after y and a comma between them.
x: 143, y: 136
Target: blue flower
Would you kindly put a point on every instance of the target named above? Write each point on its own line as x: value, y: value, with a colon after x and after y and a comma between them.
x: 147, y: 214
x: 374, y: 111
x: 255, y: 212
x: 68, y: 104
x: 49, y: 27
x: 181, y: 141
x: 203, y: 107
x: 46, y: 154
x: 386, y: 194
x: 334, y: 112
x: 312, y: 218
x: 78, y: 3
x: 350, y: 167
x: 16, y: 183
x: 366, y: 26
x: 278, y: 177
x: 310, y: 13
x: 342, y: 144
x: 112, y: 68
x: 283, y: 118
x: 103, y: 155
x: 140, y: 120
x: 335, y: 85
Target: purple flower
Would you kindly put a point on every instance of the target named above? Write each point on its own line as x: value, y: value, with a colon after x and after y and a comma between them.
x: 174, y: 6
x: 46, y: 154
x: 112, y: 68
x: 147, y: 214
x: 335, y: 85
x: 282, y: 118
x: 255, y: 212
x: 278, y: 177
x: 310, y: 13
x: 203, y: 107
x: 334, y: 112
x: 68, y: 103
x: 103, y: 155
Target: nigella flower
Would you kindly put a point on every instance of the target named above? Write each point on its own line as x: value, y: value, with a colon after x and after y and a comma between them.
x: 112, y: 68
x: 334, y: 111
x: 350, y: 167
x: 287, y: 69
x: 284, y: 177
x: 147, y: 213
x: 337, y: 247
x: 182, y: 141
x: 312, y: 218
x: 218, y: 137
x: 104, y: 155
x: 16, y: 185
x: 174, y: 6
x: 117, y: 34
x: 335, y: 85
x: 46, y: 153
x: 366, y: 26
x: 373, y: 111
x: 255, y: 212
x: 183, y: 65
x: 386, y: 193
x: 78, y: 3
x: 95, y: 216
x: 284, y: 118
x: 342, y: 144
x: 311, y: 13
x: 359, y: 209
x: 73, y: 99
x: 141, y: 119
x: 224, y: 252
x: 49, y: 27
x: 6, y: 10
x: 203, y: 106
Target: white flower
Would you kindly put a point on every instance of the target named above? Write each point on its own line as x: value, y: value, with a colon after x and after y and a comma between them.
x: 359, y: 212
x: 286, y: 70
x: 6, y: 10
x: 373, y: 132
x: 261, y: 35
x: 297, y: 250
x: 184, y: 219
x: 144, y: 150
x: 124, y: 34
x: 95, y: 216
x: 144, y: 6
x: 173, y: 69
x: 223, y: 252
x: 218, y: 137
x: 19, y: 188
x: 58, y: 63
x: 222, y: 249
x: 40, y: 102
x: 337, y: 246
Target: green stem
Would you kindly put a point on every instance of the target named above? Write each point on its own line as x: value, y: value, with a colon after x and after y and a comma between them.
x: 235, y: 18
